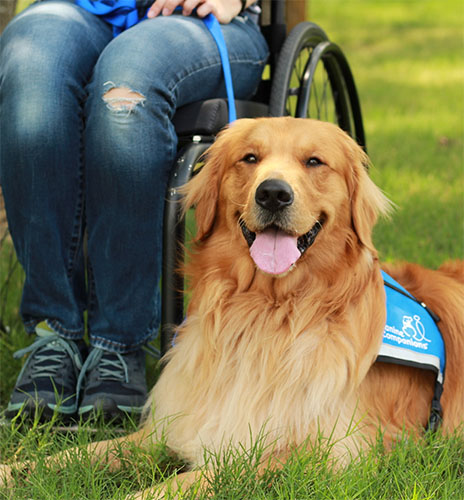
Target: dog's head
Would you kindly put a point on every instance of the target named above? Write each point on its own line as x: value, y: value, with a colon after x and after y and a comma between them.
x: 283, y: 185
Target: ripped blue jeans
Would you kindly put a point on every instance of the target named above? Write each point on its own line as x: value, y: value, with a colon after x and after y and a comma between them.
x: 87, y: 143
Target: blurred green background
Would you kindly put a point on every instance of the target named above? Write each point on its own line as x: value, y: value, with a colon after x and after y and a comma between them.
x: 408, y: 61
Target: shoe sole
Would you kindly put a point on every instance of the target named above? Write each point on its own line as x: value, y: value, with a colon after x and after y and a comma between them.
x: 31, y: 408
x: 109, y: 409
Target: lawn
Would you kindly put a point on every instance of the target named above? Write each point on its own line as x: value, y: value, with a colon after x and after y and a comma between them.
x: 407, y: 59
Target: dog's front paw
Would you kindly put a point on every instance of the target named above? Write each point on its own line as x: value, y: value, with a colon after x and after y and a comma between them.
x: 158, y: 493
x: 173, y: 488
x: 6, y: 476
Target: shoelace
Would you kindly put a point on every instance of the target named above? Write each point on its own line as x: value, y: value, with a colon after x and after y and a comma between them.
x: 108, y: 369
x: 47, y: 365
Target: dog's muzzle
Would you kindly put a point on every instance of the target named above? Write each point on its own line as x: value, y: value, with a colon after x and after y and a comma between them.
x: 274, y: 250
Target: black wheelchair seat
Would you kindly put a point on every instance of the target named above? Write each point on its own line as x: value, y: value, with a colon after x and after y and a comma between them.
x: 209, y: 117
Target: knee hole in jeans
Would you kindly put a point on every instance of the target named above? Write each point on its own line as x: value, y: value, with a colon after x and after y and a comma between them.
x: 122, y: 99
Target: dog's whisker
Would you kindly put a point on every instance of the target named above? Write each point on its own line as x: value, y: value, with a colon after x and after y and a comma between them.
x: 238, y: 204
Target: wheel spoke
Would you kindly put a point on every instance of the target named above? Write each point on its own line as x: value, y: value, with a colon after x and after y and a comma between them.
x: 325, y: 97
x: 327, y: 94
x: 316, y: 99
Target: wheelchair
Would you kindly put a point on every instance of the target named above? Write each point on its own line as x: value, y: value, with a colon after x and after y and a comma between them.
x: 307, y: 76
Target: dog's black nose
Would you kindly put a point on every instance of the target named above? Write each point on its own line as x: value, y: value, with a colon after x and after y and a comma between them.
x: 274, y: 194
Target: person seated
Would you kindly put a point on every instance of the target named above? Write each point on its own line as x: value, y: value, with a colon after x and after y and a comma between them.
x: 87, y: 145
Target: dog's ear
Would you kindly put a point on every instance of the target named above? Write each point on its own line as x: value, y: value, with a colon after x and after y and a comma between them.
x: 202, y: 192
x: 367, y: 200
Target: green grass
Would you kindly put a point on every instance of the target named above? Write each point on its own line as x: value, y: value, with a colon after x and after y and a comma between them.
x: 407, y: 58
x: 12, y: 336
x: 434, y: 469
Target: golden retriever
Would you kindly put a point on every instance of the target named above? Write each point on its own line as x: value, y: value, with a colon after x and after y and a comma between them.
x: 287, y: 309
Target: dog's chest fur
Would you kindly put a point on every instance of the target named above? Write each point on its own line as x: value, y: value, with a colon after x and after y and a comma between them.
x: 244, y: 369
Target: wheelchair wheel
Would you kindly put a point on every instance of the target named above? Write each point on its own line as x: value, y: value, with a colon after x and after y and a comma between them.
x: 313, y: 80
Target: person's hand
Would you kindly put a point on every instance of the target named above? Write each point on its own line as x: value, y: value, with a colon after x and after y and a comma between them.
x: 223, y: 10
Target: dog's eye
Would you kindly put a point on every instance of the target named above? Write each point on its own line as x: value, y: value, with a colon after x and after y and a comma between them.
x: 250, y: 158
x: 314, y: 161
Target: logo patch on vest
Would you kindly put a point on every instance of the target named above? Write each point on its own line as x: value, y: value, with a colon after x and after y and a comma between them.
x: 411, y: 335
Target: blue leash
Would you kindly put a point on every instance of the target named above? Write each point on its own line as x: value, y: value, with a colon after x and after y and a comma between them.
x: 122, y: 14
x: 215, y: 29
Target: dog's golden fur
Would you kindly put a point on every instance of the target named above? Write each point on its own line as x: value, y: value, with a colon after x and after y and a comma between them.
x: 295, y: 353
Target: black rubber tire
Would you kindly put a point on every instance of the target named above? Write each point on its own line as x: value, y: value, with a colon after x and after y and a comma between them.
x: 307, y: 54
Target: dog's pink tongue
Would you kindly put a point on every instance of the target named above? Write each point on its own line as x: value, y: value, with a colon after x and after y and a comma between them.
x: 274, y: 251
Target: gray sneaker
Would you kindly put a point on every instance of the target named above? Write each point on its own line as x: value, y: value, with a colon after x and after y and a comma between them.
x: 47, y: 381
x: 113, y: 383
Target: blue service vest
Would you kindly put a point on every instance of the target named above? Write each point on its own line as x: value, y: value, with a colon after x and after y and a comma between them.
x: 411, y: 337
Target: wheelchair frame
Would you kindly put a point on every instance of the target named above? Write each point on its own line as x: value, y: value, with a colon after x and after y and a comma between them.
x: 292, y: 90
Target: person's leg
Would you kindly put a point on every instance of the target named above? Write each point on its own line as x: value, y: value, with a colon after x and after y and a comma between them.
x: 140, y: 79
x: 47, y: 56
